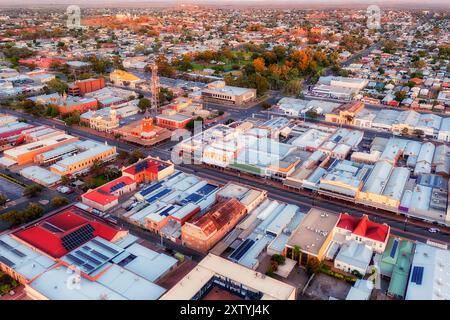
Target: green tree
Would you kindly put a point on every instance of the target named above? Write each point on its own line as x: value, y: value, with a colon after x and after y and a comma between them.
x: 56, y: 85
x: 3, y: 199
x: 59, y: 201
x: 135, y: 156
x: 292, y: 88
x: 32, y: 190
x: 313, y: 265
x: 144, y: 104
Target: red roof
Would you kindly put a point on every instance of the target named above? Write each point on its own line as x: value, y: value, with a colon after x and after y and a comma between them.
x: 364, y: 227
x: 46, y: 237
x: 152, y: 167
x: 102, y: 195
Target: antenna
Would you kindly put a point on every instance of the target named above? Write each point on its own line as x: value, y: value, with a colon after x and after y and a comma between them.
x: 154, y: 88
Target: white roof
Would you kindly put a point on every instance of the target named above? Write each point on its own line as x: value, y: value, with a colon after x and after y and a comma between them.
x: 24, y: 260
x: 434, y: 283
x: 355, y: 254
x: 213, y: 265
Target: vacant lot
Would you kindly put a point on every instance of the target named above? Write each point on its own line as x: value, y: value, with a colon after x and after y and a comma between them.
x: 322, y: 287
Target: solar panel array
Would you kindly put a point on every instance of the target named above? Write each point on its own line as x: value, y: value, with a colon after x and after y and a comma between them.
x: 18, y: 253
x: 78, y: 237
x: 6, y: 261
x: 191, y: 198
x: 393, y: 249
x: 150, y: 189
x: 417, y: 275
x: 11, y: 249
x: 166, y: 211
x: 5, y: 245
x: 141, y: 166
x: 241, y: 250
x: 207, y: 189
x: 105, y: 246
x: 158, y: 195
x: 118, y: 186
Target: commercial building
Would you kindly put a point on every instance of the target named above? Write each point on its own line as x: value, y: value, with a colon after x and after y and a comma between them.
x: 214, y: 272
x: 219, y: 92
x: 148, y: 170
x: 107, y: 196
x: 143, y: 132
x: 429, y: 276
x: 40, y: 175
x: 81, y: 87
x: 80, y: 162
x: 267, y: 228
x: 67, y: 104
x: 353, y: 257
x: 72, y: 256
x: 27, y: 153
x: 123, y: 78
x: 313, y: 236
x: 345, y: 113
x: 204, y: 232
x: 362, y: 230
x: 164, y: 206
x: 395, y: 264
x: 172, y: 120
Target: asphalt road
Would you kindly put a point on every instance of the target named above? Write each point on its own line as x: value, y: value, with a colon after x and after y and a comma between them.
x: 306, y: 202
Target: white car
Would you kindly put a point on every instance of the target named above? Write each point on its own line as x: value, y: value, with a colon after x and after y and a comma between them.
x: 433, y: 230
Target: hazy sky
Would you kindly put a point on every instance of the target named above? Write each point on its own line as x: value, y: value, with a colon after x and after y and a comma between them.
x: 407, y: 3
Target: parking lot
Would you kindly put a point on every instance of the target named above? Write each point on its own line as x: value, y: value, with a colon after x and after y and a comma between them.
x: 10, y: 189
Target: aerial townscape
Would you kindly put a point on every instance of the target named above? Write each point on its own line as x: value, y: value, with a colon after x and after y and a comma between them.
x: 224, y: 150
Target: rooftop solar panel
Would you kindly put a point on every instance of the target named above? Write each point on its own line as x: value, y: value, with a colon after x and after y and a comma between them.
x: 166, y: 211
x: 150, y: 189
x: 105, y: 246
x: 5, y: 245
x: 118, y: 186
x: 6, y: 261
x: 241, y: 250
x: 207, y: 189
x: 78, y: 237
x: 192, y: 198
x: 18, y: 253
x: 88, y: 267
x: 141, y: 166
x: 417, y: 275
x: 88, y: 257
x: 158, y: 195
x: 75, y: 259
x: 100, y: 255
x: 393, y: 249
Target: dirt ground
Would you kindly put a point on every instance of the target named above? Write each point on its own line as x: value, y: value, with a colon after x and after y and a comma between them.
x: 322, y: 287
x: 220, y: 294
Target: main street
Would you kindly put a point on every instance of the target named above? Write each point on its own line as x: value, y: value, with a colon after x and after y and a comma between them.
x: 304, y: 201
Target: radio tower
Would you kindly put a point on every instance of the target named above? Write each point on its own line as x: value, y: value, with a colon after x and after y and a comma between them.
x: 154, y: 87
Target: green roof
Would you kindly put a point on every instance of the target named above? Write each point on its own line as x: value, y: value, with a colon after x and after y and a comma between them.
x: 397, y: 265
x: 246, y: 168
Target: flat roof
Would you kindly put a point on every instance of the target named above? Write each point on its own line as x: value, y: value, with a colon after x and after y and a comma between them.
x: 214, y: 265
x: 314, y: 230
